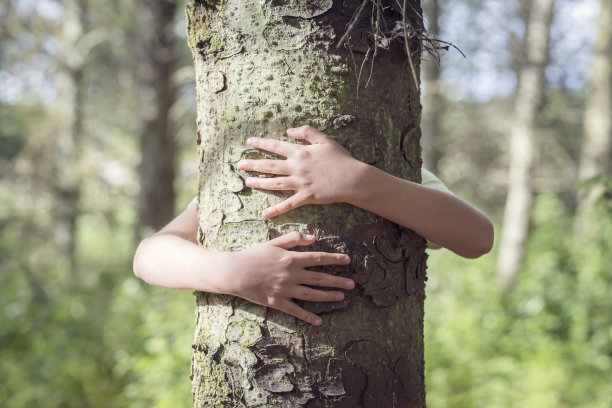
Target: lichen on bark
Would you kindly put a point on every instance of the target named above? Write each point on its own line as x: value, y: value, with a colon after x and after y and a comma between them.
x: 263, y: 66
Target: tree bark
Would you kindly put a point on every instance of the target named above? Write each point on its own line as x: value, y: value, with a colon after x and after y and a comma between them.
x: 158, y: 94
x: 262, y: 67
x: 433, y: 104
x: 527, y: 105
x: 597, y: 146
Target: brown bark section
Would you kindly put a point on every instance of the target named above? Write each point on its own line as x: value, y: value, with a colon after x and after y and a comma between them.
x: 158, y: 94
x: 262, y: 67
x: 528, y: 102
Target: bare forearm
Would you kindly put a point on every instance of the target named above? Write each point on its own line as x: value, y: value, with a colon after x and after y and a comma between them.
x: 188, y: 266
x: 436, y: 215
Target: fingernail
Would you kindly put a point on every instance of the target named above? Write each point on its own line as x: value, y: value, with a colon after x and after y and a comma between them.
x: 248, y: 182
x: 347, y: 259
x: 339, y: 296
x: 265, y: 213
x: 249, y: 140
x: 317, y: 321
x: 310, y: 237
x: 240, y: 164
x: 349, y: 284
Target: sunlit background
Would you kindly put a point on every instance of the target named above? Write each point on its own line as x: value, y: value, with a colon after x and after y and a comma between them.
x: 89, y: 89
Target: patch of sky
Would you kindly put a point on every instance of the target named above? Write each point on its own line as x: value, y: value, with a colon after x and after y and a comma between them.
x: 483, y: 30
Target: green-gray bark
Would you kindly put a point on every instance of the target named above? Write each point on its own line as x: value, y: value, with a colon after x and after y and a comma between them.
x: 263, y: 66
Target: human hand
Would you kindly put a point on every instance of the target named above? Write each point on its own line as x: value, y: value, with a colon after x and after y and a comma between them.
x: 320, y: 173
x: 270, y: 275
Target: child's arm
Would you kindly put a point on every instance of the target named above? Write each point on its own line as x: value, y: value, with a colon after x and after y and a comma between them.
x: 324, y: 172
x: 267, y: 274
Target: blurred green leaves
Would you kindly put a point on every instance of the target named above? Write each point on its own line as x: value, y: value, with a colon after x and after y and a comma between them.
x: 546, y: 344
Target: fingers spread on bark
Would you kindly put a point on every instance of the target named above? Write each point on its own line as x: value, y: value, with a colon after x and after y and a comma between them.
x: 289, y: 204
x: 325, y: 279
x: 276, y: 183
x: 306, y: 259
x: 265, y: 166
x: 292, y: 239
x: 291, y: 308
x: 272, y: 145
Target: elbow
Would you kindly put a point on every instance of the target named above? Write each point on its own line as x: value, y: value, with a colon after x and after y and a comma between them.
x: 483, y: 243
x: 139, y: 264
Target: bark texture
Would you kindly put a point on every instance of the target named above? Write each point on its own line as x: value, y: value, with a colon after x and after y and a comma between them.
x: 527, y: 105
x: 158, y: 94
x: 263, y: 66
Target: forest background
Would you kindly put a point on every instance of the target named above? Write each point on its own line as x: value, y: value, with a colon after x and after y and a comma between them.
x: 91, y: 89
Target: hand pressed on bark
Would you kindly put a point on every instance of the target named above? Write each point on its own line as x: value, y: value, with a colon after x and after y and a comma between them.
x: 324, y: 172
x: 320, y: 173
x: 270, y: 275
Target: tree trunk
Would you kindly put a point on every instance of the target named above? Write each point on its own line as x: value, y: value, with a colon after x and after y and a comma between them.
x: 262, y: 67
x: 527, y: 105
x: 597, y: 146
x: 158, y: 94
x: 433, y: 104
x: 67, y: 180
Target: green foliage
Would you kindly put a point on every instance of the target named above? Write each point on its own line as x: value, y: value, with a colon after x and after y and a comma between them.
x: 548, y: 343
x: 13, y: 132
x: 99, y: 338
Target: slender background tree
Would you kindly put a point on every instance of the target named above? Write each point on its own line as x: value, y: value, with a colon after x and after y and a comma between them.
x: 523, y: 156
x: 158, y: 94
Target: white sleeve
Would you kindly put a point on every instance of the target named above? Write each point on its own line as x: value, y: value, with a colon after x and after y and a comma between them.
x: 431, y: 180
x: 193, y: 202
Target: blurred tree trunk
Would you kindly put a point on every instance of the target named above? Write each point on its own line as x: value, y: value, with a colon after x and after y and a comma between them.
x: 597, y: 145
x: 262, y: 67
x: 433, y: 104
x: 158, y: 94
x: 527, y: 105
x: 69, y: 144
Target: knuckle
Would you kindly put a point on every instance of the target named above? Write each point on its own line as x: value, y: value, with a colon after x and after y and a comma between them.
x: 272, y: 300
x: 285, y: 261
x: 302, y: 154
